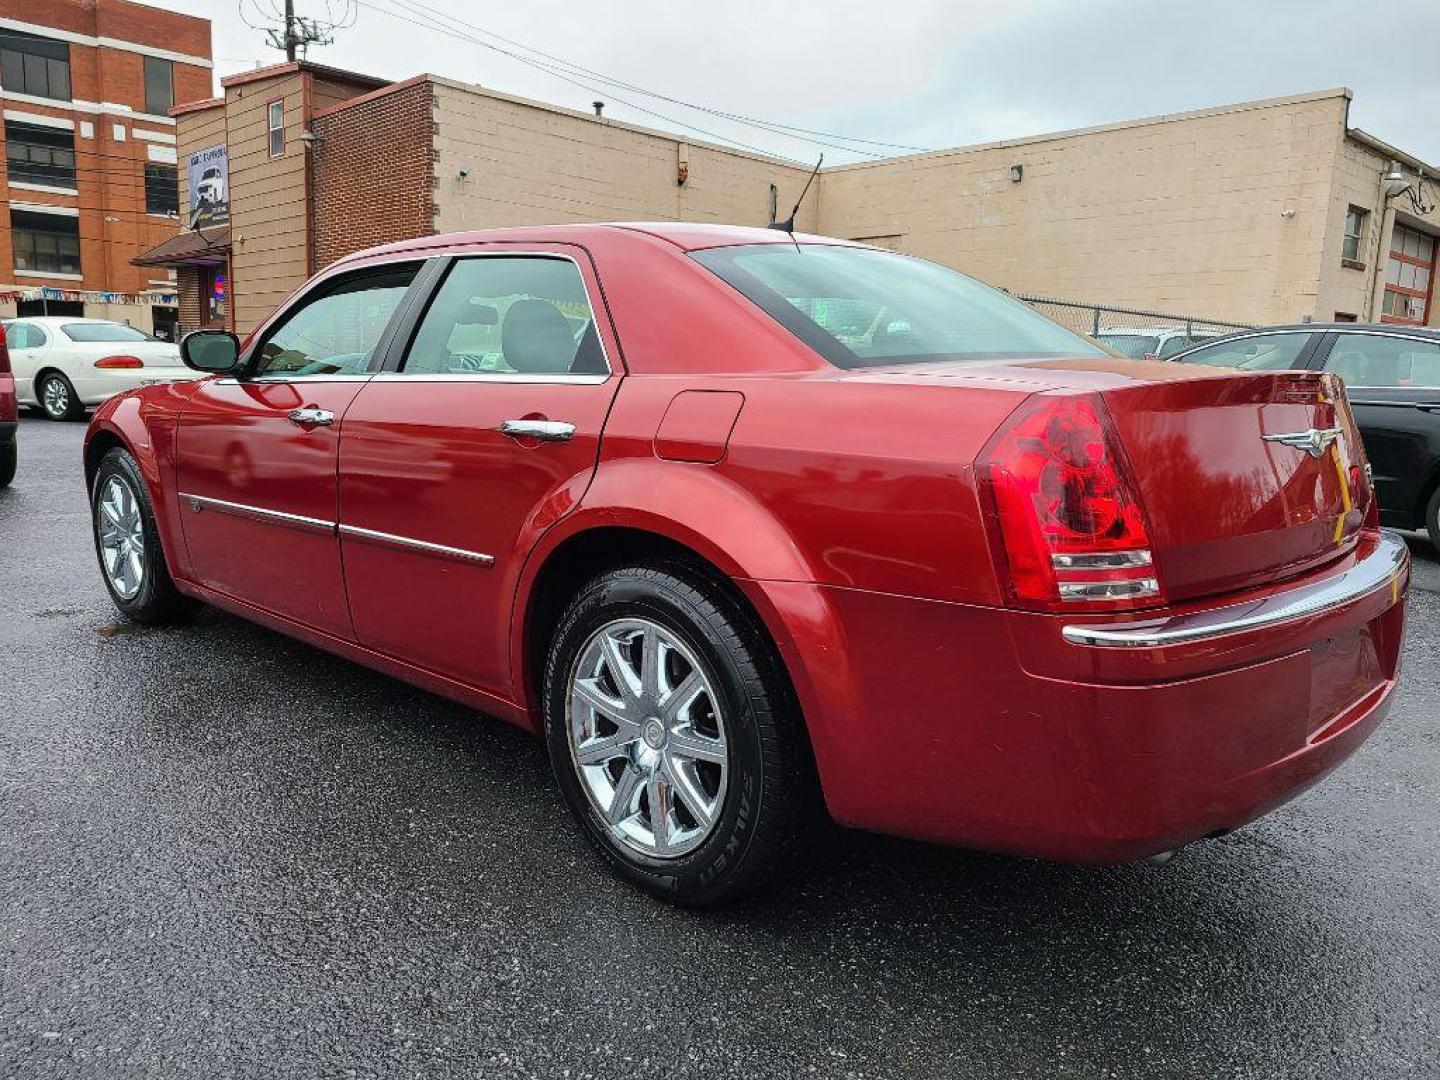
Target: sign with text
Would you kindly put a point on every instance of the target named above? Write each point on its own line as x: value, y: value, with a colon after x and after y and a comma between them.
x: 209, y: 184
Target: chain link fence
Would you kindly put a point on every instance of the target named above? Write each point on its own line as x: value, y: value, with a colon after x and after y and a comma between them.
x: 1131, y: 330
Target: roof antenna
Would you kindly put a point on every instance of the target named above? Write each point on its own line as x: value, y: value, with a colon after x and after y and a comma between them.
x: 788, y: 225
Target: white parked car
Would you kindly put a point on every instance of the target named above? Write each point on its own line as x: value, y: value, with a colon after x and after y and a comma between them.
x: 1152, y: 342
x: 62, y: 365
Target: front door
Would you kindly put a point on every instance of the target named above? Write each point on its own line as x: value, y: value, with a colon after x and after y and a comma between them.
x: 452, y: 464
x: 1393, y: 383
x: 256, y: 456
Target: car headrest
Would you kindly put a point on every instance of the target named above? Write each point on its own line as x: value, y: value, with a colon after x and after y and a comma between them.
x: 535, y: 337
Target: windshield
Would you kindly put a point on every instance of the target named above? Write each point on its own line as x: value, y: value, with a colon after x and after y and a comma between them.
x: 858, y: 307
x: 1131, y: 345
x: 103, y: 331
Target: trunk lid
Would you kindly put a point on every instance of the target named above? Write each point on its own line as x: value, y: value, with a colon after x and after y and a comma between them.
x: 1244, y: 478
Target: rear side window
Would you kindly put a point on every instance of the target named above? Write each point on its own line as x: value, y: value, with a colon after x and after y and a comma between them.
x: 862, y: 308
x: 508, y: 315
x: 103, y: 332
x: 1261, y: 352
x: 1373, y: 360
x: 1132, y: 345
x: 24, y: 336
x: 1178, y: 343
x: 334, y: 330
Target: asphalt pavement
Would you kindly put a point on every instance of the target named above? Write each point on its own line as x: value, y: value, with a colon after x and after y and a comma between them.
x: 224, y: 853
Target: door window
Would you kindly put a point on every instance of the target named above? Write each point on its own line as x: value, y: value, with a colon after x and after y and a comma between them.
x: 1261, y: 352
x: 335, y: 330
x: 508, y: 315
x: 1374, y: 361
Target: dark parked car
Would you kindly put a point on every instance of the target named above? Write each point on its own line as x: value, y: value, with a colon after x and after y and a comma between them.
x: 1392, y: 373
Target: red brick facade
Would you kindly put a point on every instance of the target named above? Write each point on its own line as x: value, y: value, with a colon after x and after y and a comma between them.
x: 373, y: 161
x: 107, y: 89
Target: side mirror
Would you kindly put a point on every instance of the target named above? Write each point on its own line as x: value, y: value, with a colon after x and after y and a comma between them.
x: 214, y: 352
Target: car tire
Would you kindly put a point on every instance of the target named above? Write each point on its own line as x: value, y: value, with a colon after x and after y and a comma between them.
x: 1432, y: 519
x: 764, y: 797
x: 9, y: 457
x: 57, y: 397
x: 127, y: 544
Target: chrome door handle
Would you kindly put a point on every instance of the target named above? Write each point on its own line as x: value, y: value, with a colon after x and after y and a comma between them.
x: 546, y: 430
x: 312, y: 417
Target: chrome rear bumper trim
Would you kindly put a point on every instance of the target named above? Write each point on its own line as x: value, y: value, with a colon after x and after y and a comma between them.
x: 354, y: 532
x: 1385, y: 567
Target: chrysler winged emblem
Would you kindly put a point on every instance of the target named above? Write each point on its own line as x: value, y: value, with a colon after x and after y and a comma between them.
x: 1313, y: 442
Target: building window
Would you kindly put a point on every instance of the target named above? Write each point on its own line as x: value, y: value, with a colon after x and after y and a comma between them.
x: 162, y: 189
x: 34, y: 65
x: 275, y: 124
x: 40, y: 155
x: 1354, y: 242
x: 1408, y: 277
x: 159, y: 86
x: 45, y: 243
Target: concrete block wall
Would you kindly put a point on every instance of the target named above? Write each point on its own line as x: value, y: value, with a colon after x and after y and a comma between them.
x: 1221, y: 212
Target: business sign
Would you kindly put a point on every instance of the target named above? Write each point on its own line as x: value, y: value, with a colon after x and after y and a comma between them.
x: 209, y: 184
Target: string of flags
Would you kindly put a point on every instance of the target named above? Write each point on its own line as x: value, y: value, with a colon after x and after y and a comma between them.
x: 87, y: 296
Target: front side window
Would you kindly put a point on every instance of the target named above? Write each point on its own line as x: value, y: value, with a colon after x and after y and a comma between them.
x: 503, y: 315
x: 162, y: 189
x: 275, y: 125
x: 159, y: 85
x: 45, y: 243
x: 335, y: 330
x: 1260, y: 352
x: 38, y: 154
x: 103, y: 331
x: 862, y: 308
x: 1353, y: 243
x: 1376, y: 361
x: 34, y: 65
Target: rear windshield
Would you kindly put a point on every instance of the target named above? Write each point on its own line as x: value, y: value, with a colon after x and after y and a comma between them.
x: 1132, y: 345
x: 860, y: 308
x: 103, y: 331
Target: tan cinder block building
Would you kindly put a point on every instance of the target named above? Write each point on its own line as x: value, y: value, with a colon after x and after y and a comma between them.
x: 1263, y: 212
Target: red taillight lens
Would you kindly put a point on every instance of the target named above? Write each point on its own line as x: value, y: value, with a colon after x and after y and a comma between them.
x: 4, y: 354
x: 1066, y: 520
x: 112, y: 362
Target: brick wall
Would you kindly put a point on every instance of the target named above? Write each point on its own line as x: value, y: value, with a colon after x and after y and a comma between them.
x: 372, y: 162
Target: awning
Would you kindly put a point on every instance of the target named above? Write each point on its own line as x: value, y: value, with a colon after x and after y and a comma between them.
x: 196, y: 247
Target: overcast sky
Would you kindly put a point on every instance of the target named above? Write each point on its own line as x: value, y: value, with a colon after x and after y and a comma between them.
x: 924, y: 73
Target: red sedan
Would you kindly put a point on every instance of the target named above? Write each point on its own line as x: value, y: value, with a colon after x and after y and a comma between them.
x: 744, y: 523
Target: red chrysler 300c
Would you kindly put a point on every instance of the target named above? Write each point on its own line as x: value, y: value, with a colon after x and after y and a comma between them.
x: 737, y: 520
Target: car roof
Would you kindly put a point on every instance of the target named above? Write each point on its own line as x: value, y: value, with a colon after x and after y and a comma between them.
x: 685, y: 235
x: 68, y: 320
x: 1155, y: 331
x: 1403, y: 329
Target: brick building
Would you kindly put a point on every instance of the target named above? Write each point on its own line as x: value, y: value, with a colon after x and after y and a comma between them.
x: 1262, y: 212
x: 88, y: 172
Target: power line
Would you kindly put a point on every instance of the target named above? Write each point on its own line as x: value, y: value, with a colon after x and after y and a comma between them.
x: 741, y: 118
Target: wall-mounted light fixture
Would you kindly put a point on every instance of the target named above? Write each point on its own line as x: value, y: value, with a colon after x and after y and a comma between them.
x: 463, y: 173
x: 1017, y: 173
x: 599, y: 107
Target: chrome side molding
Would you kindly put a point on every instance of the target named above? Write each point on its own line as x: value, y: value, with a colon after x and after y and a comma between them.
x: 1384, y: 568
x: 257, y: 513
x: 354, y: 532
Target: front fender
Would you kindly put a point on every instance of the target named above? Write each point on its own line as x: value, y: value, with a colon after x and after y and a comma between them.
x: 145, y: 422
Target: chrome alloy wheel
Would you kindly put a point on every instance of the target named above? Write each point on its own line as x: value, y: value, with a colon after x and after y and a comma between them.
x: 647, y: 738
x: 55, y: 397
x: 122, y: 538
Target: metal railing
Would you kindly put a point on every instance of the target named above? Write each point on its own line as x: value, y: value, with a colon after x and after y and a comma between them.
x: 1092, y: 319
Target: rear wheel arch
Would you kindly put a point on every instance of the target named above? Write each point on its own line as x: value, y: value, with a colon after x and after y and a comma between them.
x: 585, y: 555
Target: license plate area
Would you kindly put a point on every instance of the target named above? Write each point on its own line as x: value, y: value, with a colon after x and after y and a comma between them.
x: 1343, y: 669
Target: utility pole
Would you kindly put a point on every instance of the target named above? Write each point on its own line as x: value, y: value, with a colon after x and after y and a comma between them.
x: 290, y: 30
x: 299, y: 33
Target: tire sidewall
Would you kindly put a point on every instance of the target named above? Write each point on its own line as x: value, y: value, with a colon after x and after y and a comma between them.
x: 630, y: 594
x: 142, y: 605
x: 1432, y: 519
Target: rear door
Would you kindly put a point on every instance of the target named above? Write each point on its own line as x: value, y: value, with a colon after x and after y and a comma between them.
x: 484, y: 431
x: 1393, y: 382
x: 256, y: 456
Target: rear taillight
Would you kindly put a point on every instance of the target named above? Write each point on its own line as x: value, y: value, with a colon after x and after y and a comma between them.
x: 112, y: 362
x: 1065, y: 518
x: 4, y: 354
